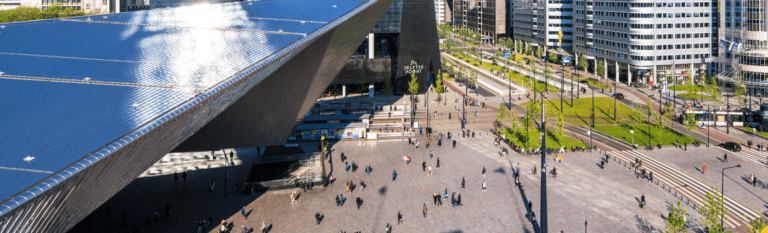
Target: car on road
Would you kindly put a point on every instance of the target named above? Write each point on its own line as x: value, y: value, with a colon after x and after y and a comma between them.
x: 618, y: 96
x: 732, y: 146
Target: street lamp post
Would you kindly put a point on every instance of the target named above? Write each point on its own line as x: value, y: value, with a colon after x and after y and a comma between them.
x: 632, y: 132
x: 593, y: 107
x: 727, y: 114
x: 562, y: 86
x: 543, y: 205
x: 722, y: 193
x: 589, y: 133
x: 614, y: 100
x: 712, y: 119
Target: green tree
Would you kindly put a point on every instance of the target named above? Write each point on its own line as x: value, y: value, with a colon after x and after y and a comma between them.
x: 560, y: 123
x: 739, y: 89
x: 439, y: 84
x: 689, y: 77
x: 501, y: 113
x: 711, y: 210
x: 552, y: 57
x: 716, y: 97
x: 529, y: 49
x: 413, y: 85
x: 388, y: 85
x: 676, y: 221
x: 600, y: 69
x: 531, y: 112
x: 514, y: 123
x: 690, y: 122
x: 472, y: 79
x: 756, y: 225
x: 637, y: 114
x: 497, y: 55
x: 362, y: 87
x: 583, y: 63
x: 540, y: 52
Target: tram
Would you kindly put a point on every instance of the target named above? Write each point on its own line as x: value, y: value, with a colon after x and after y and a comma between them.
x: 722, y: 117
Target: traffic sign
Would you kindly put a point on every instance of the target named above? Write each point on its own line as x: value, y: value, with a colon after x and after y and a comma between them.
x: 566, y: 60
x: 507, y: 55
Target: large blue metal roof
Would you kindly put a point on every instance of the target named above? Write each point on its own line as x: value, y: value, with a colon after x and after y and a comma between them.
x: 72, y: 86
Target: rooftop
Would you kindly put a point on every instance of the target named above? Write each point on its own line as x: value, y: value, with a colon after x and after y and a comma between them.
x: 75, y: 89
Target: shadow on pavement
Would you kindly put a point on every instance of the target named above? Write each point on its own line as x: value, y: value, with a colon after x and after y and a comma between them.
x: 149, y: 194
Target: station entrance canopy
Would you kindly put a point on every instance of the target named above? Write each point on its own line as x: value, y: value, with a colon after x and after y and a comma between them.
x: 88, y: 103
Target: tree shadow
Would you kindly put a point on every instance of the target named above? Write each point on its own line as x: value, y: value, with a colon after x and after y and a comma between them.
x: 383, y: 191
x: 644, y: 226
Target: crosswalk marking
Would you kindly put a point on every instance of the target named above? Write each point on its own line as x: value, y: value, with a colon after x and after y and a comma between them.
x: 496, y: 99
x: 753, y: 155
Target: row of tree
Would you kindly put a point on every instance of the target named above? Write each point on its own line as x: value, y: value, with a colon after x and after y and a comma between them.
x: 24, y: 13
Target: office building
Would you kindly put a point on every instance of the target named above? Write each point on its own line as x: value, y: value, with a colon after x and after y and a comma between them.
x: 540, y: 23
x: 743, y: 41
x: 644, y: 40
x: 650, y: 39
x: 442, y: 11
x: 486, y: 17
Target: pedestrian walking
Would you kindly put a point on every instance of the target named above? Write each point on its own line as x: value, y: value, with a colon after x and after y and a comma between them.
x: 394, y: 174
x: 483, y: 172
x: 338, y: 201
x: 686, y: 146
x: 245, y: 229
x: 317, y: 217
x: 362, y: 185
x: 534, y: 170
x: 530, y: 206
x: 642, y: 201
x: 430, y: 154
x: 417, y: 144
x: 462, y: 182
x: 223, y: 225
x: 725, y: 158
x: 438, y: 163
x: 703, y: 168
x: 368, y: 169
x: 425, y: 210
x: 264, y: 226
x: 184, y: 176
x: 213, y: 184
x: 753, y: 179
x: 423, y: 165
x: 458, y: 200
x: 483, y: 186
x: 399, y: 218
x: 518, y: 168
x: 429, y: 170
x: 650, y: 175
x: 454, y: 143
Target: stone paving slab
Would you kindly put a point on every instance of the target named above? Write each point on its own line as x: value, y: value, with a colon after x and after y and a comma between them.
x: 607, y: 198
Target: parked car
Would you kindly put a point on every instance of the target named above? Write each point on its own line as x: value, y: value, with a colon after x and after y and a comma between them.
x: 732, y: 146
x: 618, y: 96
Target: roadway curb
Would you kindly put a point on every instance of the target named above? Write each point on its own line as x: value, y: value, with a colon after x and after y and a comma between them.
x: 609, y: 136
x: 756, y: 135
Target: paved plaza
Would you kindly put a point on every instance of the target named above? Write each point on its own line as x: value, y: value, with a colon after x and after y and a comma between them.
x: 608, y: 199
